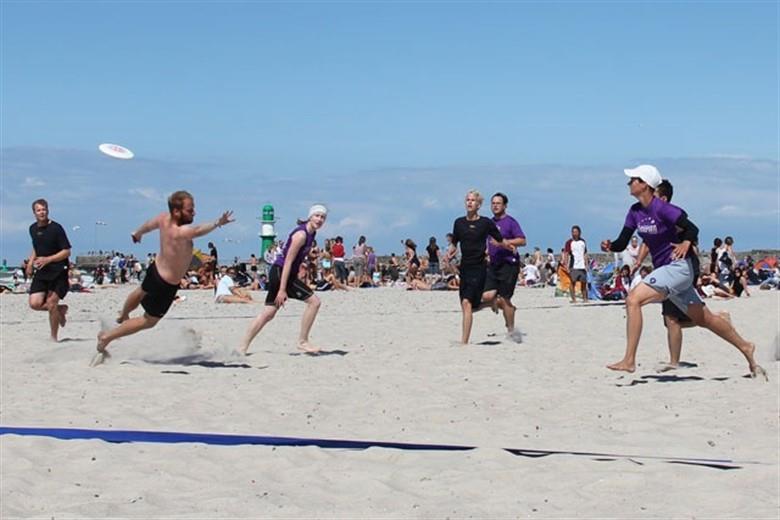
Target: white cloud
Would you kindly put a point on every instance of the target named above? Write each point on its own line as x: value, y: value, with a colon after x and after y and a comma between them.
x: 431, y: 203
x: 730, y: 210
x: 148, y: 194
x: 14, y: 226
x: 32, y: 182
x: 354, y: 223
x: 722, y: 195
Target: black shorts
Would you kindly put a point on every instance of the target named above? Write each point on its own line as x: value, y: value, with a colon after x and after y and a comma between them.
x: 502, y: 278
x: 673, y: 311
x: 578, y: 275
x: 472, y: 283
x: 296, y: 289
x: 59, y: 285
x: 159, y: 293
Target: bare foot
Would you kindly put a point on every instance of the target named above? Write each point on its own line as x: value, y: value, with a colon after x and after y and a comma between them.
x: 757, y: 371
x: 63, y: 319
x: 102, y: 353
x: 243, y: 350
x: 573, y: 300
x: 515, y: 335
x: 308, y: 347
x: 666, y: 367
x: 622, y: 366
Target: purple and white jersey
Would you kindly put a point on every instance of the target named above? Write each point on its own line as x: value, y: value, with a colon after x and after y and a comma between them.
x: 509, y: 229
x: 656, y: 225
x: 302, y: 252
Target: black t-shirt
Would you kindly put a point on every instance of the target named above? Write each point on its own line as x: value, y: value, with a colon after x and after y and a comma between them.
x: 433, y: 254
x: 472, y: 236
x: 49, y: 240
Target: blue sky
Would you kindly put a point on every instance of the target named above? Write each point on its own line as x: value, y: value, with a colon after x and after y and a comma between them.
x: 388, y: 112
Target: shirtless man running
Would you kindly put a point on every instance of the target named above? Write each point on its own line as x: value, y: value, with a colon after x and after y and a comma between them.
x: 158, y: 290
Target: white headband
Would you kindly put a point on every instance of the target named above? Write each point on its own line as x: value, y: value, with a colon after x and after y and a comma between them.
x: 318, y: 208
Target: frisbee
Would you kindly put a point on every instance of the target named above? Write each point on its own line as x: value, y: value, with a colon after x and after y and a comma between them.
x: 116, y: 151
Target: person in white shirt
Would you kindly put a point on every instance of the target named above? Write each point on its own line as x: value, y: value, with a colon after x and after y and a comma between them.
x: 575, y: 261
x: 639, y: 276
x: 531, y: 275
x: 631, y: 253
x: 227, y: 292
x: 551, y: 258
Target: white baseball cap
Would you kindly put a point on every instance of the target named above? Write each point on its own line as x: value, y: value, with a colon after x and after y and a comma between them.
x: 647, y: 172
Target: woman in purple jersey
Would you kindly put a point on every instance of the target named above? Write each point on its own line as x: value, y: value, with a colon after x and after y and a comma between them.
x: 657, y: 223
x: 283, y: 281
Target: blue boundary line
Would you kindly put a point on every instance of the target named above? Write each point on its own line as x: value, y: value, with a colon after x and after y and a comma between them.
x: 221, y: 439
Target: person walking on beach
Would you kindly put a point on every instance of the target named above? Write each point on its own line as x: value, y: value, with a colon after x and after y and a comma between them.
x: 158, y: 290
x: 359, y: 259
x: 504, y: 265
x: 283, y: 282
x: 657, y: 223
x: 472, y: 232
x: 575, y: 260
x: 49, y: 257
x: 338, y: 260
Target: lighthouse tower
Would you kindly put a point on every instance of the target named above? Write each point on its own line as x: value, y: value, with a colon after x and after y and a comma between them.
x: 267, y: 232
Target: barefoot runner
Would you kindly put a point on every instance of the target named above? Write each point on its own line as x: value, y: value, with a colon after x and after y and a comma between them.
x: 49, y: 257
x: 283, y: 281
x: 158, y: 290
x: 657, y: 222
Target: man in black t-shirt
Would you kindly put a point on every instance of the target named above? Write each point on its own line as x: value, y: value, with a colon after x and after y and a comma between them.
x: 49, y: 257
x: 472, y: 233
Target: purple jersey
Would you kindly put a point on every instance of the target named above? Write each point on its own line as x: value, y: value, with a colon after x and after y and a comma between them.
x: 656, y: 225
x: 302, y: 252
x: 509, y: 229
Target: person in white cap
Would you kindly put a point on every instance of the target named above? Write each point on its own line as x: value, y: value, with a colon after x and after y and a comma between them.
x: 283, y: 281
x: 658, y: 223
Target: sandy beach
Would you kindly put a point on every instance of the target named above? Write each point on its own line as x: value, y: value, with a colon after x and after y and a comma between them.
x: 392, y: 375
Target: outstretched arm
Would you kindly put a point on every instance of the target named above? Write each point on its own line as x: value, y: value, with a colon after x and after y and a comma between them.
x: 620, y: 243
x: 205, y: 229
x: 150, y: 225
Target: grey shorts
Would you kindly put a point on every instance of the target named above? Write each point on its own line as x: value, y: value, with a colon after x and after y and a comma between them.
x: 675, y: 280
x: 579, y: 275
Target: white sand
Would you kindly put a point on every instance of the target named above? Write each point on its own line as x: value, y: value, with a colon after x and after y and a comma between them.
x: 399, y: 381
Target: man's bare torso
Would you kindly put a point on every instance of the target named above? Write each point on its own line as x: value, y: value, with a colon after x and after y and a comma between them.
x: 175, y: 250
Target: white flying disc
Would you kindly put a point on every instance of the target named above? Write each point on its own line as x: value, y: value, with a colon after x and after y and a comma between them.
x: 116, y: 151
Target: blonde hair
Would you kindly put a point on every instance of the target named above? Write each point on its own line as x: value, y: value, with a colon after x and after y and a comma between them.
x: 477, y: 194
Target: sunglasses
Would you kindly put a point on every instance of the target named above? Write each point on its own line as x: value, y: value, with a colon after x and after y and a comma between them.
x: 632, y: 179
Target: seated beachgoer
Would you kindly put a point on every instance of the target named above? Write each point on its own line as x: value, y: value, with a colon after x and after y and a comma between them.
x: 227, y: 292
x: 619, y: 290
x: 531, y: 275
x: 739, y: 284
x: 639, y: 276
x: 418, y: 283
x: 709, y: 286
